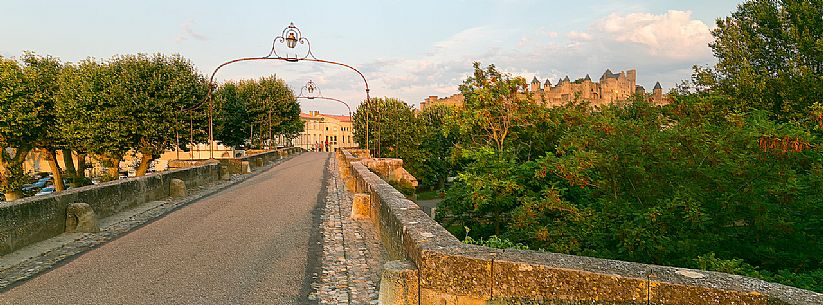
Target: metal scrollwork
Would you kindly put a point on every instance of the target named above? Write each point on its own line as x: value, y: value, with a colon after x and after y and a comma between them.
x: 291, y: 37
x: 310, y: 91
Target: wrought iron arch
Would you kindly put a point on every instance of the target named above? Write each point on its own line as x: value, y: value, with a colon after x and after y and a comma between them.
x: 290, y: 38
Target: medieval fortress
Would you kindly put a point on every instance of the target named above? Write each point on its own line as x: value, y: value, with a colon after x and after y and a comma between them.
x: 612, y: 87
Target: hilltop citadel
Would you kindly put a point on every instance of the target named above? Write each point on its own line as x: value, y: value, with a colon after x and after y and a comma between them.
x: 612, y: 87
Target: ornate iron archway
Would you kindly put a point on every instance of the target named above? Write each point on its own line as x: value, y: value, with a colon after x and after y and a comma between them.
x: 310, y: 92
x: 290, y: 38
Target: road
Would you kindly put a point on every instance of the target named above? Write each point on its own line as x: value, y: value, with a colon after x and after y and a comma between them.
x: 253, y: 243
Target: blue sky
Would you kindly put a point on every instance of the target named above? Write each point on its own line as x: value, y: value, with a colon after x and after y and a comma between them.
x: 406, y: 49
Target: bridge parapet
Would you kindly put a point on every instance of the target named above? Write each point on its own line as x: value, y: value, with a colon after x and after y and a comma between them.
x: 451, y: 272
x: 33, y: 219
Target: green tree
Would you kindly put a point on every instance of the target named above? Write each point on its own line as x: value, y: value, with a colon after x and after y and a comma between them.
x: 770, y: 56
x: 496, y: 110
x: 149, y: 94
x: 392, y: 127
x: 232, y: 124
x: 20, y: 126
x: 89, y: 114
x: 257, y: 112
x: 42, y: 74
x: 430, y: 163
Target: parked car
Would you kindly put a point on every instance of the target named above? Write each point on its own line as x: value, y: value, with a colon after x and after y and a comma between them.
x: 45, y: 191
x: 35, y: 186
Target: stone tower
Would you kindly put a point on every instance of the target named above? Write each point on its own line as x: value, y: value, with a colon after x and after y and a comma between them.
x: 535, y: 85
x: 657, y: 93
x: 631, y: 76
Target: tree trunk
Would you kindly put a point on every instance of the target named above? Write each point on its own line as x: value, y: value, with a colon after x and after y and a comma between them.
x: 145, y: 160
x: 114, y: 170
x: 68, y: 160
x: 81, y: 165
x: 55, y: 169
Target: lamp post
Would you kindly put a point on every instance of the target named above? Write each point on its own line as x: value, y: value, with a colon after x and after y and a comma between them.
x: 291, y: 37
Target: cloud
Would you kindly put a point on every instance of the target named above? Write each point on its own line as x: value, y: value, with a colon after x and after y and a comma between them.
x: 579, y: 36
x: 661, y: 47
x: 674, y: 35
x: 186, y: 32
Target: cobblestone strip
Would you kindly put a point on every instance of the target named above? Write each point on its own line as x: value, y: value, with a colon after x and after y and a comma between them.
x: 352, y: 254
x: 79, y: 243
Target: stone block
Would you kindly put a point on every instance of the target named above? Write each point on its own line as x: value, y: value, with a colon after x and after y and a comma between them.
x: 245, y: 167
x: 177, y: 188
x: 360, y: 207
x: 224, y: 173
x: 80, y: 218
x: 398, y: 284
x: 670, y: 293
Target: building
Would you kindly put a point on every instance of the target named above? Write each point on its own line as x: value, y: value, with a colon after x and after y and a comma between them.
x: 453, y: 101
x: 325, y: 132
x: 610, y: 88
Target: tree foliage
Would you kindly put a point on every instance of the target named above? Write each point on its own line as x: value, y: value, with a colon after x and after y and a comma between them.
x: 254, y: 112
x: 391, y: 125
x: 695, y: 183
x: 128, y: 103
x: 20, y: 125
x: 770, y: 56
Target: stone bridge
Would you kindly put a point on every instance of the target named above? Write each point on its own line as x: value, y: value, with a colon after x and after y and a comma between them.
x: 290, y: 227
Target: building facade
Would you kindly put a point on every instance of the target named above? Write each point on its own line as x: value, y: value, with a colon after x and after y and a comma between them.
x: 325, y: 132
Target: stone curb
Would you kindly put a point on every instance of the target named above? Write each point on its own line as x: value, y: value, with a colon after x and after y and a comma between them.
x: 56, y: 256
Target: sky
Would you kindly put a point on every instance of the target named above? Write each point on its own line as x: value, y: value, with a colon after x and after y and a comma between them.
x: 405, y: 49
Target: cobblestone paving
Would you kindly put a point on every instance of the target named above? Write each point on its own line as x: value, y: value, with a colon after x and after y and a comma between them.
x: 66, y: 246
x: 352, y: 254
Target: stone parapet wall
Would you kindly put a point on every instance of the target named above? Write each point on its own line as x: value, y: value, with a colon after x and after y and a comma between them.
x: 33, y: 219
x: 451, y: 272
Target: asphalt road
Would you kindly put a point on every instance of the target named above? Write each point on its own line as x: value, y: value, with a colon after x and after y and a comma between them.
x: 254, y: 243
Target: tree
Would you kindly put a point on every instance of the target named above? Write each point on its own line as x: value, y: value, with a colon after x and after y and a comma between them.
x: 89, y: 114
x: 231, y: 125
x: 496, y: 109
x: 19, y: 127
x: 255, y: 111
x: 131, y: 102
x: 392, y: 126
x: 770, y: 56
x: 42, y: 74
x: 430, y: 163
x: 149, y: 94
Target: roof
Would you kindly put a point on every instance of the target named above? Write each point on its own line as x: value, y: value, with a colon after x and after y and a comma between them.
x: 587, y: 77
x: 567, y: 79
x: 657, y: 86
x: 535, y: 81
x: 341, y: 118
x: 609, y: 74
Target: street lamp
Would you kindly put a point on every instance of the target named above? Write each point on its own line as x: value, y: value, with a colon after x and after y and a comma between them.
x: 291, y: 37
x: 310, y: 88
